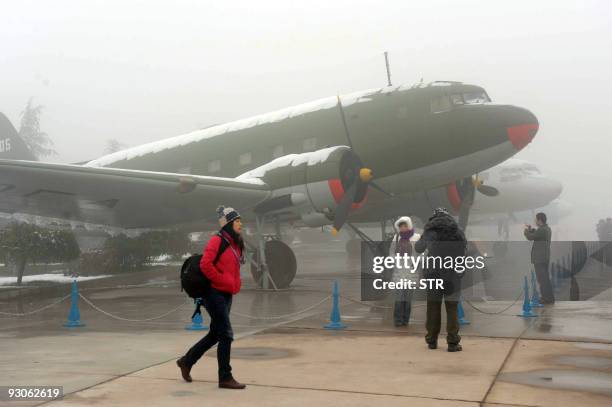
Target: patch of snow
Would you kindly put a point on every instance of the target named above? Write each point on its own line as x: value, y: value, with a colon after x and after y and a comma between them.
x: 54, y: 278
x: 161, y: 257
x: 213, y: 131
x: 294, y: 160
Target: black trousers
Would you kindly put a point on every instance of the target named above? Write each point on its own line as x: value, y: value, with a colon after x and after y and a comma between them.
x: 433, y: 323
x: 543, y: 277
x: 218, y: 306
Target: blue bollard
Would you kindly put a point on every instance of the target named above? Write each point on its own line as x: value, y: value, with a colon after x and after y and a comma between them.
x: 461, y: 314
x: 527, y: 312
x: 197, y: 322
x: 335, y: 319
x: 74, y: 316
x: 535, y: 295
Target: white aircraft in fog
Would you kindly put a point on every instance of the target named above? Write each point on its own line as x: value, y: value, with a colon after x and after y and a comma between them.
x: 521, y: 185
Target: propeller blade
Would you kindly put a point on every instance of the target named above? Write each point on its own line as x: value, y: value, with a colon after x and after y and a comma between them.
x: 467, y: 190
x: 346, y: 130
x: 343, y: 208
x: 487, y: 190
x: 464, y: 216
x: 378, y: 187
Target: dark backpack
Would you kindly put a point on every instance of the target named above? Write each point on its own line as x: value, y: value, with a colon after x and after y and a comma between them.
x: 193, y: 280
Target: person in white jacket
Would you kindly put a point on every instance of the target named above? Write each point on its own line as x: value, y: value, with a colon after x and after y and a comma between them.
x: 403, y: 242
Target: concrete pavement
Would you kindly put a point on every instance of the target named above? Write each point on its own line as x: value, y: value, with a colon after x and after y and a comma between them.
x: 291, y: 367
x: 560, y: 358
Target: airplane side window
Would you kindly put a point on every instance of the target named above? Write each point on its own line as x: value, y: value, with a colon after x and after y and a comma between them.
x: 278, y: 151
x: 440, y: 104
x: 214, y: 166
x: 456, y: 99
x: 310, y: 144
x: 245, y: 159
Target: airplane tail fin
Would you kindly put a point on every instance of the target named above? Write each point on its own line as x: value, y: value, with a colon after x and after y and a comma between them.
x: 12, y: 145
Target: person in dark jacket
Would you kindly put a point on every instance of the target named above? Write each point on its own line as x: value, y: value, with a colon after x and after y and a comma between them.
x: 224, y: 276
x: 442, y: 237
x: 540, y: 255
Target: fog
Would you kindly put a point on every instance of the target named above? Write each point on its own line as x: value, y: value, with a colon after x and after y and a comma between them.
x: 139, y: 71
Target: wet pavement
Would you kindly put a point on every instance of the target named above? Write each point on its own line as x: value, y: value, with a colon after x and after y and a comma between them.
x: 283, y: 352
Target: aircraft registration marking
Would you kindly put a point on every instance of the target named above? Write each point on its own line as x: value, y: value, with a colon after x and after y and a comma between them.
x: 5, y: 145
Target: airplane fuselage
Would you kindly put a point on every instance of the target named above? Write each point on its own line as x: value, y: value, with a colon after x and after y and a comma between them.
x: 413, y: 138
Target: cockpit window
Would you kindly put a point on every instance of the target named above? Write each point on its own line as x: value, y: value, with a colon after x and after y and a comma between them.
x: 513, y: 173
x: 474, y: 98
x: 440, y: 104
x: 445, y: 103
x: 510, y: 174
x: 531, y: 169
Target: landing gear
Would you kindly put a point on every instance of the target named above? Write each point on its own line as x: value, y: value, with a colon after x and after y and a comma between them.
x: 273, y: 263
x: 280, y: 263
x: 376, y: 248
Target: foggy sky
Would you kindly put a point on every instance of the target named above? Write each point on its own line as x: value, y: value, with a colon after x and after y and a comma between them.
x: 140, y: 71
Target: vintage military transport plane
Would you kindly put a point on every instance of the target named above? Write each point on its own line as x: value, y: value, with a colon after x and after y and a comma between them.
x: 336, y: 160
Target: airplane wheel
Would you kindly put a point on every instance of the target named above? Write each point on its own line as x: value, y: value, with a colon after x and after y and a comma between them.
x: 281, y: 264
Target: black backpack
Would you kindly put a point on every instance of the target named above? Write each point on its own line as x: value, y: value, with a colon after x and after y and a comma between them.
x: 193, y: 281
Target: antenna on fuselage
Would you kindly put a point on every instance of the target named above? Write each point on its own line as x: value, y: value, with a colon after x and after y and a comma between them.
x: 388, y: 69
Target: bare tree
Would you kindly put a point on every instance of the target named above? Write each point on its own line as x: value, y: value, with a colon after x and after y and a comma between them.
x: 38, y: 142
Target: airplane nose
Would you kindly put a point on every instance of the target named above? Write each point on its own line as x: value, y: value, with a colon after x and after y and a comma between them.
x: 525, y: 129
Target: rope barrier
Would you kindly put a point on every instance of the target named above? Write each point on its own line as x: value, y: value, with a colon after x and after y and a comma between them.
x: 95, y: 307
x: 274, y: 317
x: 368, y: 304
x: 23, y: 314
x: 148, y: 285
x: 285, y: 315
x: 364, y: 303
x: 497, y: 312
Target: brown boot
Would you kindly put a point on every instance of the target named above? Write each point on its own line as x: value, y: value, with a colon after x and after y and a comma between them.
x: 231, y: 383
x: 185, y: 370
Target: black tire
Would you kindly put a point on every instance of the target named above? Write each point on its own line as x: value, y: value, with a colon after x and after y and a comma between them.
x: 281, y: 263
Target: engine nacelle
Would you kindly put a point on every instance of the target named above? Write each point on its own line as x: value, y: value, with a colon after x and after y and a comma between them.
x: 309, y: 184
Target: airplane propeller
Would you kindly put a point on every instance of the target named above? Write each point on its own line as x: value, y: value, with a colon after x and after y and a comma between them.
x: 350, y: 144
x: 484, y: 189
x: 358, y: 178
x: 468, y: 188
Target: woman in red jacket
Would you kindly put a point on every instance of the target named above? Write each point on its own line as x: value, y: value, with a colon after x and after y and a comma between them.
x: 223, y: 271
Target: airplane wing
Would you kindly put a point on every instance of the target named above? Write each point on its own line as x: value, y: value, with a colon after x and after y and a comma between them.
x: 118, y: 197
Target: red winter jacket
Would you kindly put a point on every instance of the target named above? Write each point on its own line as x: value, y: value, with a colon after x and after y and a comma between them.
x: 225, y: 275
